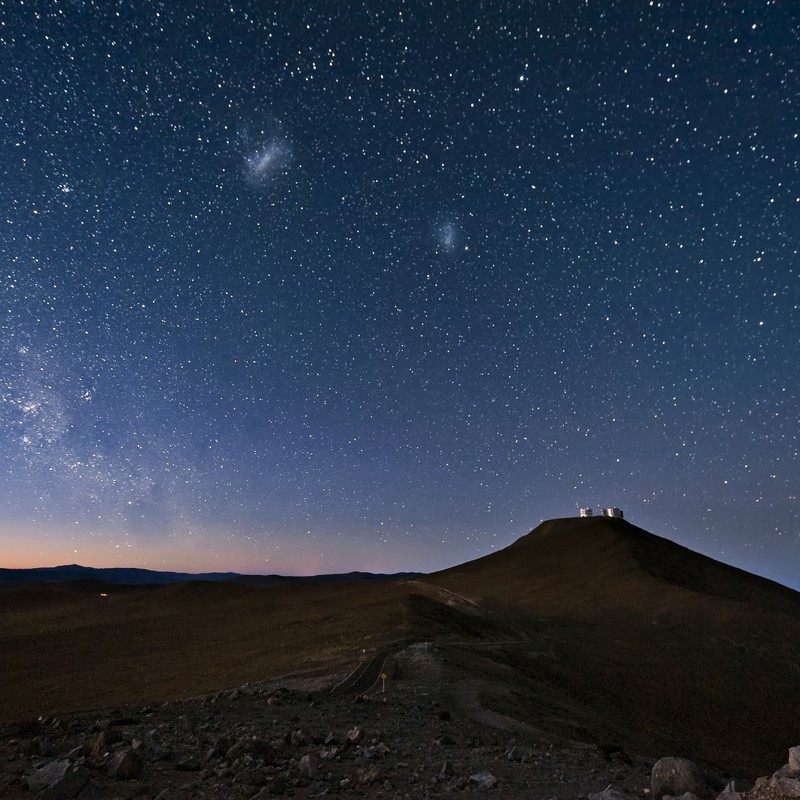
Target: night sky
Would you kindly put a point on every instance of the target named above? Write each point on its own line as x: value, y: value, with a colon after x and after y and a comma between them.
x: 315, y: 287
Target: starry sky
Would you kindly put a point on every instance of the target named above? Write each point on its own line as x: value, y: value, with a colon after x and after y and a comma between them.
x: 316, y: 287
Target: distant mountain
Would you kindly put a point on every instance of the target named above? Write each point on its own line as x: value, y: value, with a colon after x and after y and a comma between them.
x: 130, y: 576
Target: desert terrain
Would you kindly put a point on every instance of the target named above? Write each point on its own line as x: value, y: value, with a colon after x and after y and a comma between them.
x: 570, y: 661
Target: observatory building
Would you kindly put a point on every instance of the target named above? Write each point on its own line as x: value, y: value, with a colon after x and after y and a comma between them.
x: 604, y: 512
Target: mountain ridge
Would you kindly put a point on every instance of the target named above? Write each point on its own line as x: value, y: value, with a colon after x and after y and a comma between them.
x: 587, y: 557
x: 136, y: 576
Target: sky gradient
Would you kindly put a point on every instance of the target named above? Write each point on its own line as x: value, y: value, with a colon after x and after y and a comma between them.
x: 292, y: 289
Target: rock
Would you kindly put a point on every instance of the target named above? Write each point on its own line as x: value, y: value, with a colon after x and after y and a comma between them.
x: 677, y: 776
x: 519, y: 754
x: 150, y: 748
x: 784, y: 772
x: 69, y: 786
x: 794, y: 758
x: 368, y: 776
x: 58, y: 780
x: 103, y: 742
x: 126, y: 765
x: 607, y: 794
x: 372, y: 752
x: 251, y: 746
x: 81, y: 751
x: 730, y: 793
x: 788, y: 787
x: 354, y: 735
x: 189, y: 764
x: 72, y: 784
x: 308, y: 767
x: 684, y: 796
x: 47, y: 775
x: 483, y: 779
x: 446, y: 771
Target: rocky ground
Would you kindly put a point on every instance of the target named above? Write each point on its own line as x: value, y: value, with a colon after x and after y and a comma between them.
x: 295, y: 738
x: 403, y: 738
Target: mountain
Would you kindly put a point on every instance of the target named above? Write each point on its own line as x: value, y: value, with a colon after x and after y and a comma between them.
x: 584, y: 630
x: 114, y: 575
x: 635, y: 641
x: 139, y: 577
x: 601, y: 564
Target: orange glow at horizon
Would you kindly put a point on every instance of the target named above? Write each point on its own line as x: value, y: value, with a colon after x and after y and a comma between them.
x: 23, y: 546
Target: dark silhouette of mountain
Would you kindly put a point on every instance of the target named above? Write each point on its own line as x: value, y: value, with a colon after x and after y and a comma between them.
x: 634, y: 641
x: 138, y: 577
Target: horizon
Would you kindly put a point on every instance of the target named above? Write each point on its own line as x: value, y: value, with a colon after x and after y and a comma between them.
x: 789, y: 580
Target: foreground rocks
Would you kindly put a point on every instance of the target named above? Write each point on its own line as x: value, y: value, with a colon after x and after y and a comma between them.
x: 681, y: 779
x: 270, y: 741
x: 677, y: 777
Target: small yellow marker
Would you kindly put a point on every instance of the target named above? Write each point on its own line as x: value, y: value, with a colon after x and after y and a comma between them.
x: 384, y: 676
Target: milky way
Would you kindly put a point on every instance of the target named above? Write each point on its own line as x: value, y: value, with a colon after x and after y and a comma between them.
x: 295, y: 289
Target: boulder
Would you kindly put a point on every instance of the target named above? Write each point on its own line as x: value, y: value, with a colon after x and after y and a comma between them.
x: 58, y: 780
x: 68, y: 786
x: 788, y: 787
x: 675, y: 777
x: 794, y: 758
x: 308, y: 767
x: 47, y: 775
x: 483, y: 779
x: 126, y: 765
